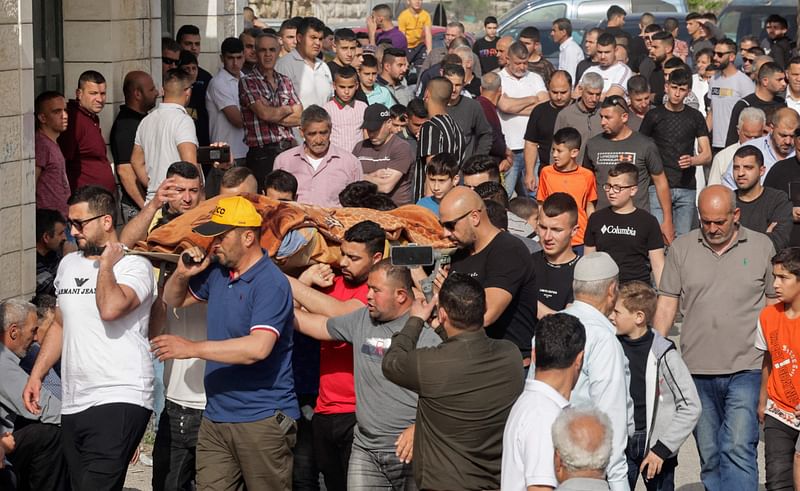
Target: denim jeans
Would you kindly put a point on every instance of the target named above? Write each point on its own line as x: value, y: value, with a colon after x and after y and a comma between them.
x: 174, y: 449
x: 684, y: 208
x: 635, y: 454
x: 375, y: 470
x: 512, y: 175
x: 727, y: 432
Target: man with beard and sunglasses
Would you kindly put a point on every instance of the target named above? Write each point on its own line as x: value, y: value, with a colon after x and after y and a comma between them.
x: 499, y: 261
x: 104, y: 300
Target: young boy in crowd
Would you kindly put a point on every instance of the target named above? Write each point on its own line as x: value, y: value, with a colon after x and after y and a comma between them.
x: 415, y: 23
x: 631, y: 236
x: 441, y: 175
x: 566, y: 176
x: 666, y: 406
x: 367, y: 74
x: 344, y: 42
x: 280, y: 185
x: 347, y: 114
x: 527, y: 209
x: 776, y: 336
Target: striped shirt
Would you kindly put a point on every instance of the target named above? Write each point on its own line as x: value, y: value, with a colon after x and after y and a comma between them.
x: 440, y: 134
x: 254, y: 87
x: 346, y: 121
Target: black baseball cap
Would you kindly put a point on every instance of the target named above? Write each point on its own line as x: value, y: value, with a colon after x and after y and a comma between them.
x: 374, y: 117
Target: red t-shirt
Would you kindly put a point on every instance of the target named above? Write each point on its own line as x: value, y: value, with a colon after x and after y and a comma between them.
x: 337, y: 393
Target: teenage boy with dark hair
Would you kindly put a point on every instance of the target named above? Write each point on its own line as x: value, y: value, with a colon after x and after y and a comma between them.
x: 486, y: 47
x: 281, y: 185
x: 441, y: 175
x: 565, y: 175
x: 666, y: 405
x: 631, y: 236
x: 374, y: 92
x: 344, y: 43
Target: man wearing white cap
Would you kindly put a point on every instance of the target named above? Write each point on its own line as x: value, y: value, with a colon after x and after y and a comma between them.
x: 604, y: 379
x: 249, y: 423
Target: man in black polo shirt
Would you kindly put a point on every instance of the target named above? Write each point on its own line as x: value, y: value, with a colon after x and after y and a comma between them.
x: 499, y: 262
x: 541, y: 125
x: 140, y: 97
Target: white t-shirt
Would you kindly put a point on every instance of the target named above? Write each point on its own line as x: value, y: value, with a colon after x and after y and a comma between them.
x: 184, y: 379
x: 514, y: 125
x: 104, y: 362
x: 527, y: 443
x: 312, y: 85
x: 616, y: 74
x: 222, y: 92
x: 159, y: 135
x: 315, y: 163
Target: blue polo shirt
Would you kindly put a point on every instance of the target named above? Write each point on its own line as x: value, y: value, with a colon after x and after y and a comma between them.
x: 259, y: 299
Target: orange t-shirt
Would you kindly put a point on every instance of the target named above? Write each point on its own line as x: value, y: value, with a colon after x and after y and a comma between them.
x: 579, y: 183
x: 781, y: 336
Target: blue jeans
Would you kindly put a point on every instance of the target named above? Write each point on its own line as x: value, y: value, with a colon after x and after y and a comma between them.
x: 635, y: 454
x: 373, y: 470
x: 684, y: 208
x: 727, y: 432
x: 512, y: 175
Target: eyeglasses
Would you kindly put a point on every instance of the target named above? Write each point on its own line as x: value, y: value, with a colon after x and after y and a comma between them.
x: 169, y: 61
x: 79, y: 224
x: 451, y: 224
x: 722, y: 53
x: 608, y: 187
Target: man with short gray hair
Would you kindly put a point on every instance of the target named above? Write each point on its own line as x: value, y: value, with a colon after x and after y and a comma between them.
x: 37, y: 457
x: 584, y: 115
x: 604, y: 378
x: 751, y: 125
x: 322, y: 169
x: 582, y: 441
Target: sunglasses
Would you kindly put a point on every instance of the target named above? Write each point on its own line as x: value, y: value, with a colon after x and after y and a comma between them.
x: 722, y: 53
x: 79, y: 224
x: 451, y: 224
x: 169, y: 61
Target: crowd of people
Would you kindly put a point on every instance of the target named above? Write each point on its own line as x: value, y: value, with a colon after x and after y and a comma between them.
x: 589, y: 203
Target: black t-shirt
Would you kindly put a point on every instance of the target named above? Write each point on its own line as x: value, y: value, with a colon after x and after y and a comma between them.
x: 553, y: 281
x: 582, y: 66
x: 505, y: 263
x: 197, y: 107
x: 657, y: 80
x: 785, y: 176
x: 674, y: 134
x: 121, y: 138
x: 769, y: 108
x: 487, y: 54
x: 637, y: 351
x: 46, y: 269
x: 540, y: 130
x: 473, y: 87
x: 627, y: 238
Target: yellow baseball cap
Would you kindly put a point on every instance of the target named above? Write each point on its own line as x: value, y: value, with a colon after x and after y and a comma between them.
x: 230, y: 213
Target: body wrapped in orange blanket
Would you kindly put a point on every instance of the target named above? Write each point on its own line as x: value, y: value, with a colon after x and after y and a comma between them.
x: 315, y: 233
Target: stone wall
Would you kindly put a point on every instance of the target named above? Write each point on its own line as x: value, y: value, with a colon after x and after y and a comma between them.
x: 17, y: 179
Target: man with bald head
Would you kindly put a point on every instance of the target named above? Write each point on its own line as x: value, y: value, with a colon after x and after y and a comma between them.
x: 438, y: 134
x: 140, y: 97
x: 721, y: 276
x: 502, y: 52
x: 499, y: 261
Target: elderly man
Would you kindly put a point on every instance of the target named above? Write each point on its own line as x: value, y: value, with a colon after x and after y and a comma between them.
x: 720, y: 275
x: 270, y: 109
x: 768, y: 96
x: 604, y: 377
x: 522, y: 91
x: 492, y: 257
x: 322, y: 169
x: 583, y: 115
x: 382, y: 442
x: 459, y: 443
x: 527, y: 450
x: 37, y: 457
x: 751, y: 125
x: 582, y: 441
x: 776, y: 146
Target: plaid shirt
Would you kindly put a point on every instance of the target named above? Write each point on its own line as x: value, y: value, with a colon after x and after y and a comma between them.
x: 254, y: 87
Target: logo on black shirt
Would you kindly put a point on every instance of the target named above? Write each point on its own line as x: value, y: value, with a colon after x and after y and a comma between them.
x: 618, y: 230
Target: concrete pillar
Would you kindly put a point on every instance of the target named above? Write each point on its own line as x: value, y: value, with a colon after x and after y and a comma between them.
x: 17, y: 181
x: 217, y: 20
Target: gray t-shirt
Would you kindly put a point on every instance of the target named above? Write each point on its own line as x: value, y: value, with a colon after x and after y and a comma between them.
x: 383, y: 409
x: 724, y: 92
x: 603, y: 153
